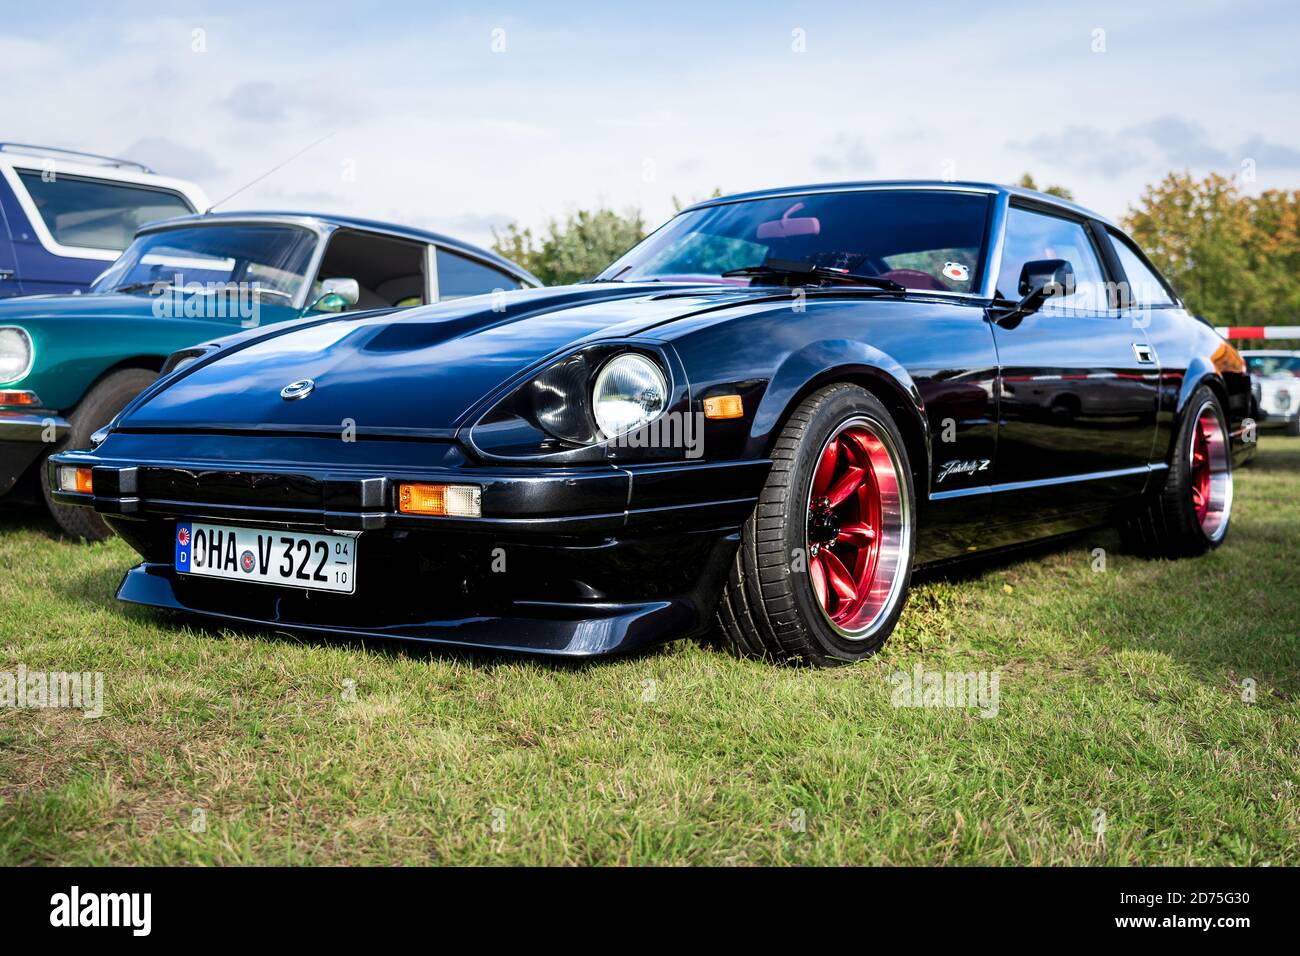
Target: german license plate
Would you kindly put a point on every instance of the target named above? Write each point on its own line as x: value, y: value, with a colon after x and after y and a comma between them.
x: 316, y: 562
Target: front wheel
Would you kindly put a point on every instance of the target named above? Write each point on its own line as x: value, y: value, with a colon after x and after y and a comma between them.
x: 822, y: 571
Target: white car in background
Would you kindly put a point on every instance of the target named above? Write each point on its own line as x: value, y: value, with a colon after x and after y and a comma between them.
x: 65, y: 216
x: 1278, y: 375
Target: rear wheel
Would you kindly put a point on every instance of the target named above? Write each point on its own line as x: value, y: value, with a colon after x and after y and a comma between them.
x: 822, y: 571
x: 1293, y: 428
x: 96, y: 410
x: 1191, y: 515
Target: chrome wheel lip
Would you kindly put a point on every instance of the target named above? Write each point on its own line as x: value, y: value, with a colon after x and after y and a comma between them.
x: 895, y: 532
x: 1215, y: 523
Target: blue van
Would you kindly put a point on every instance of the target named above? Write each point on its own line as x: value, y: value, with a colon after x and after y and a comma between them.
x: 66, y: 216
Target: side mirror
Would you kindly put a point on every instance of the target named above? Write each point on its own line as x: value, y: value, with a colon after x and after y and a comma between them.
x: 1040, y: 279
x: 337, y: 295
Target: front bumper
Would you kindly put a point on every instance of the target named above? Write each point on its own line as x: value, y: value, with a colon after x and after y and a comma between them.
x: 575, y: 561
x: 24, y: 438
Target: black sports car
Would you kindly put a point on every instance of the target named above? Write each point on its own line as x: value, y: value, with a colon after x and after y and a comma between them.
x: 759, y: 420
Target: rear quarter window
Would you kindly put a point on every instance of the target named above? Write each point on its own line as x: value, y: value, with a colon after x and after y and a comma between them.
x: 1145, y: 287
x: 459, y: 276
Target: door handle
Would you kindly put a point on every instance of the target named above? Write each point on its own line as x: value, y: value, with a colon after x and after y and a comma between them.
x: 6, y: 274
x: 1145, y: 354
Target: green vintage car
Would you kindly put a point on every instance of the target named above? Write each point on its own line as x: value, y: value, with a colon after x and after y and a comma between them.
x: 69, y: 363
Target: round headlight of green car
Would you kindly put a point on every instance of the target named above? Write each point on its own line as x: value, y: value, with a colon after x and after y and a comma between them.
x: 629, y: 392
x: 15, y: 353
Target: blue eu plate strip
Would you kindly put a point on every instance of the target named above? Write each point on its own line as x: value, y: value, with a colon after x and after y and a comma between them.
x: 184, y: 538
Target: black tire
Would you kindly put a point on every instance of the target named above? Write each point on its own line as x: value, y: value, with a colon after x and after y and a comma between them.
x: 1169, y: 527
x: 108, y: 397
x: 768, y: 607
x: 1293, y: 428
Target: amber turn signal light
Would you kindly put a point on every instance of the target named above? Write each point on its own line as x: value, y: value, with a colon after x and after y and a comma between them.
x: 456, y: 501
x: 18, y: 398
x: 724, y: 406
x: 79, y: 480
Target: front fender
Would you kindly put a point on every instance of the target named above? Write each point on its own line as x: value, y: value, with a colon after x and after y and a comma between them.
x: 71, y: 354
x: 843, y: 360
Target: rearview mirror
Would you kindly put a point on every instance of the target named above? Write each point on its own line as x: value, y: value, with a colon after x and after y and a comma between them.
x: 789, y: 225
x: 1040, y: 279
x: 337, y: 295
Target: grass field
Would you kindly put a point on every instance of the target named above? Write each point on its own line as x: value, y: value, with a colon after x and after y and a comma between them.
x: 1121, y: 734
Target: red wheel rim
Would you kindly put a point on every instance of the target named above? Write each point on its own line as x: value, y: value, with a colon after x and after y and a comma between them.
x: 857, y: 528
x: 1201, y: 470
x: 1210, y: 471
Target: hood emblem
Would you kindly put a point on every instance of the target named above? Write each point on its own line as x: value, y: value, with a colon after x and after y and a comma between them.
x: 296, y: 390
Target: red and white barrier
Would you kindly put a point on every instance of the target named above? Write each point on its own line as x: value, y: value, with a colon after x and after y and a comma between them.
x: 1261, y: 332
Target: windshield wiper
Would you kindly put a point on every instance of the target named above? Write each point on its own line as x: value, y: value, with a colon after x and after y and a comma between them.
x: 782, y: 269
x: 137, y: 286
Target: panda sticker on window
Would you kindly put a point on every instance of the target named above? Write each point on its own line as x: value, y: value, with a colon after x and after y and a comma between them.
x: 956, y: 271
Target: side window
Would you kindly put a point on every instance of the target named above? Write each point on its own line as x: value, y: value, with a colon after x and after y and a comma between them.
x: 459, y: 276
x: 389, y: 271
x: 1032, y: 235
x: 95, y: 213
x: 1145, y: 287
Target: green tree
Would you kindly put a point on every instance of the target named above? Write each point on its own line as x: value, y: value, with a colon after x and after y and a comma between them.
x: 1232, y: 257
x: 1027, y: 182
x: 575, y: 249
x: 1275, y: 215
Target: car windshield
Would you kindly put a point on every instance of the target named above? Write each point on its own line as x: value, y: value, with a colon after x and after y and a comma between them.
x: 1270, y: 365
x: 930, y: 240
x: 272, y: 257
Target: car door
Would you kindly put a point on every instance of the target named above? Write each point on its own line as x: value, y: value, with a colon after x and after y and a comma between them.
x: 1077, y: 381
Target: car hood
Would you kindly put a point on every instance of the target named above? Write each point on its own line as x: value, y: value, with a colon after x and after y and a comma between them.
x: 410, y: 371
x: 108, y: 306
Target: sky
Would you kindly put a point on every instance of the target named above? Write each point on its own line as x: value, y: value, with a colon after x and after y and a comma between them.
x: 463, y: 117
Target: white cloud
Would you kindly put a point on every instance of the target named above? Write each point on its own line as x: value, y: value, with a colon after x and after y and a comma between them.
x: 432, y: 128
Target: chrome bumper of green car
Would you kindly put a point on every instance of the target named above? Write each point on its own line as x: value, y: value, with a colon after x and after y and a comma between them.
x: 43, y: 427
x: 25, y: 437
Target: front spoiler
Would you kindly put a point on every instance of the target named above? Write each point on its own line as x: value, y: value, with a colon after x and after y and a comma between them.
x: 554, y: 630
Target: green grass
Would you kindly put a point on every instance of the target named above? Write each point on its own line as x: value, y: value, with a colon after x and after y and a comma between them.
x: 1120, y: 693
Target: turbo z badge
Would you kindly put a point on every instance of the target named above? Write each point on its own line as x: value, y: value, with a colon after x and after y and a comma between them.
x: 961, y: 468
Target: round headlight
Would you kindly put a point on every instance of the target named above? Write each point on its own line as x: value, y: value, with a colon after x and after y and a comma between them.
x: 629, y: 392
x: 15, y: 354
